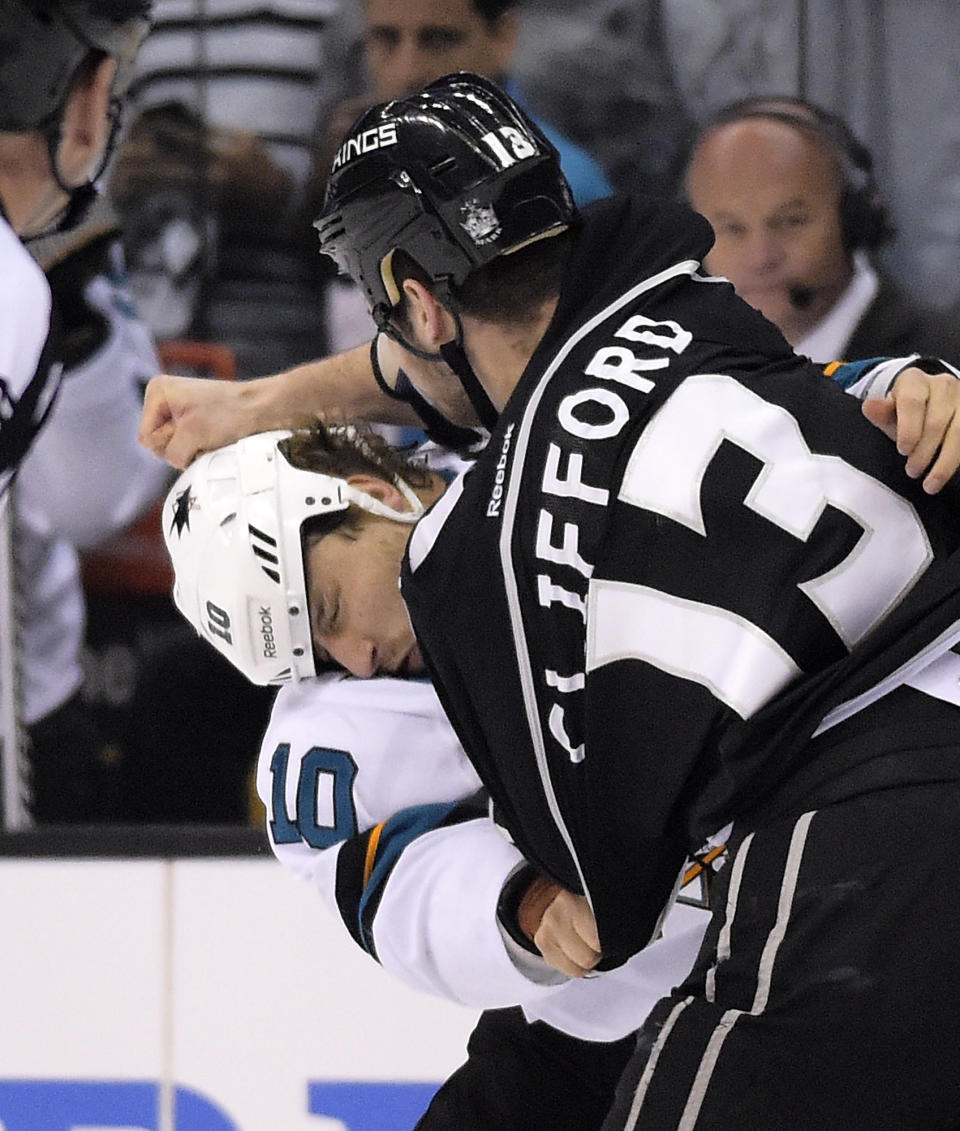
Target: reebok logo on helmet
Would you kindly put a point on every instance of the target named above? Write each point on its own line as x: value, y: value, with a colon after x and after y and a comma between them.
x: 266, y: 632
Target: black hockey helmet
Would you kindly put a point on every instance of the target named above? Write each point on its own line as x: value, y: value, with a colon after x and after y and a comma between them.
x: 42, y: 42
x: 454, y: 175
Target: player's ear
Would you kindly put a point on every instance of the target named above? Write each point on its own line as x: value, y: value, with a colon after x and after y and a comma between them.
x: 431, y: 321
x: 386, y: 493
x: 86, y: 125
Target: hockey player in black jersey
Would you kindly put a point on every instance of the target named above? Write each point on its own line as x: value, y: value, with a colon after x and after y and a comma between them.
x: 685, y: 585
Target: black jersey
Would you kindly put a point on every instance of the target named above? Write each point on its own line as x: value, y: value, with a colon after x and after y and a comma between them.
x: 682, y: 544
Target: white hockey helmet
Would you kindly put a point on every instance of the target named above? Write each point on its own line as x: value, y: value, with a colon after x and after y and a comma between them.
x: 232, y: 524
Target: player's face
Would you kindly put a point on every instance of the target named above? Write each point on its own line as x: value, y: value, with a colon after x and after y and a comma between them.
x: 409, y: 43
x: 357, y: 615
x: 772, y: 195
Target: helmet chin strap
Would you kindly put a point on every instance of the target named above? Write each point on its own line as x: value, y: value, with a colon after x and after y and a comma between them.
x: 374, y: 506
x: 76, y: 209
x: 454, y: 355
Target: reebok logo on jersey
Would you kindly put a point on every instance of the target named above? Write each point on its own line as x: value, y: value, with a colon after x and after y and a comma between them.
x: 496, y: 495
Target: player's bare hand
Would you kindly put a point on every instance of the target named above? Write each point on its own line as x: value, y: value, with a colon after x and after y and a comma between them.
x: 186, y: 415
x: 567, y: 936
x: 922, y: 414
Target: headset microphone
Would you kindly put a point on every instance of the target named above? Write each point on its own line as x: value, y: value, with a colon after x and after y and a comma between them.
x: 801, y: 297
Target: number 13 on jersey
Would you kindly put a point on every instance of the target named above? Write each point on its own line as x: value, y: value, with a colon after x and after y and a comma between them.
x: 739, y: 662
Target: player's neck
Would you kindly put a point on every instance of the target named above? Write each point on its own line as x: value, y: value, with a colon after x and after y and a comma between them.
x: 500, y: 352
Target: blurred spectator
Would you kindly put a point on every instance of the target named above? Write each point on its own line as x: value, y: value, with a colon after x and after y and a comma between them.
x: 190, y: 194
x: 84, y: 478
x: 602, y: 68
x: 406, y: 44
x: 792, y: 197
x: 230, y: 95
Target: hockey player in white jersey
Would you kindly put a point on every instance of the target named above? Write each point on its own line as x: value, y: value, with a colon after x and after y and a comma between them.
x: 371, y: 800
x: 64, y: 68
x: 63, y: 72
x: 84, y: 480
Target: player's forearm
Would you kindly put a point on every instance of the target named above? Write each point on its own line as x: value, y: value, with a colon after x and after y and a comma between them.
x: 338, y: 387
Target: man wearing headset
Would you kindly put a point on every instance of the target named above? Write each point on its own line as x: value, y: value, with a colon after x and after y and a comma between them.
x: 791, y: 195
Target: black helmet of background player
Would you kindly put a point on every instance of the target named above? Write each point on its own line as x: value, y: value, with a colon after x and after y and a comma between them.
x: 43, y: 44
x: 454, y: 176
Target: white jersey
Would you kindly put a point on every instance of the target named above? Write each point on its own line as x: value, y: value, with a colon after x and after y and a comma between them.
x: 27, y: 387
x: 371, y: 799
x: 85, y: 478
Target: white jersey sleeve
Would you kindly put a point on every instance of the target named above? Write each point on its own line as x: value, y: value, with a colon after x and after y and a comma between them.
x: 94, y: 427
x: 367, y: 792
x: 27, y: 384
x: 371, y: 799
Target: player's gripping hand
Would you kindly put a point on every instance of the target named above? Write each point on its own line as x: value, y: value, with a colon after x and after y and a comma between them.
x: 561, y: 926
x: 922, y: 414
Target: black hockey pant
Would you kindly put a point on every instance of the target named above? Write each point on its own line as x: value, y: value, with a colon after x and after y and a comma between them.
x: 826, y: 996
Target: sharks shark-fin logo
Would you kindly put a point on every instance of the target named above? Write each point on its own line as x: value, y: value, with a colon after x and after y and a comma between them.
x: 181, y: 512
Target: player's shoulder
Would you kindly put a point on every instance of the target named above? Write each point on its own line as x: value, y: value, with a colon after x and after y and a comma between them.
x: 337, y: 710
x: 337, y: 690
x: 24, y: 308
x: 391, y: 733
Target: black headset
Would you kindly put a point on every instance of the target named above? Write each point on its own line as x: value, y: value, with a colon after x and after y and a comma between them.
x: 865, y: 222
